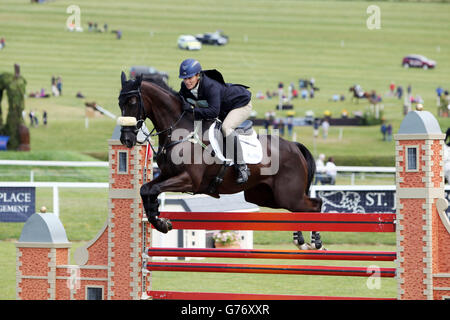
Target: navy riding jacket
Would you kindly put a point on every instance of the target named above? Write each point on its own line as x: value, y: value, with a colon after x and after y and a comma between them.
x: 221, y: 97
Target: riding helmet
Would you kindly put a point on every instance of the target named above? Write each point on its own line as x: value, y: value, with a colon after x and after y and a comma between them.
x: 189, y: 68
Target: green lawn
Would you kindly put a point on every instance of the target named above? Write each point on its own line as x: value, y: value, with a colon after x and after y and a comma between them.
x: 270, y: 41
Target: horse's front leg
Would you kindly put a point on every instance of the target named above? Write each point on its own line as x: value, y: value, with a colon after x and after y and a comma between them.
x: 150, y: 192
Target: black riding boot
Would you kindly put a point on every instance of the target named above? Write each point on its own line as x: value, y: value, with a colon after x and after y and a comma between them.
x: 239, y: 164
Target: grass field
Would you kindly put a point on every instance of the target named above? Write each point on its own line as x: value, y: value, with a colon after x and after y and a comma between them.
x: 270, y: 41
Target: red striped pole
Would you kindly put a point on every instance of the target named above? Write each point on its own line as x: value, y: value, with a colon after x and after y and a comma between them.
x: 283, y: 221
x: 174, y: 295
x: 273, y: 254
x: 272, y: 269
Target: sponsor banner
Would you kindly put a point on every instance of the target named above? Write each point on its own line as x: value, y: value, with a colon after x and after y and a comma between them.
x: 17, y: 204
x: 361, y: 201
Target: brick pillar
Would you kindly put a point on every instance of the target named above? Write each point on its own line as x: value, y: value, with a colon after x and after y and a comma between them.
x: 125, y: 221
x: 420, y: 192
x: 42, y: 246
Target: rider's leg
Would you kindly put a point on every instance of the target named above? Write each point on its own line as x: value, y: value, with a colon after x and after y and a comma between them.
x: 234, y: 118
x: 234, y: 151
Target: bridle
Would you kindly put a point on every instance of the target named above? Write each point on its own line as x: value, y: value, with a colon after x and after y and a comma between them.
x: 141, y: 113
x: 140, y: 121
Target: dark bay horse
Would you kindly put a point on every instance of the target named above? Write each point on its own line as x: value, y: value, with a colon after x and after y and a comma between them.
x: 283, y: 186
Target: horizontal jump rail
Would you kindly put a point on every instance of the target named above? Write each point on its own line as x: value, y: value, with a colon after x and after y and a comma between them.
x: 174, y: 295
x: 271, y: 269
x: 273, y: 254
x: 283, y: 221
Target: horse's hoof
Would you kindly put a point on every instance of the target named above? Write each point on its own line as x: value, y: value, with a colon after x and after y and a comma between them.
x: 318, y: 244
x: 163, y: 225
x: 298, y: 238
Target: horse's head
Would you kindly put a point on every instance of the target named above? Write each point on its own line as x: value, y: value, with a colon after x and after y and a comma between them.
x: 132, y: 110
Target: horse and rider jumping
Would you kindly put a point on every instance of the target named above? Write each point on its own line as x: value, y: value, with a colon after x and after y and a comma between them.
x: 205, y: 99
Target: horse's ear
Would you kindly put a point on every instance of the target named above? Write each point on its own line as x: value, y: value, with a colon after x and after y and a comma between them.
x: 139, y: 79
x: 123, y: 77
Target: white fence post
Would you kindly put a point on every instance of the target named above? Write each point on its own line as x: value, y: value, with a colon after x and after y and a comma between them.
x: 56, y: 200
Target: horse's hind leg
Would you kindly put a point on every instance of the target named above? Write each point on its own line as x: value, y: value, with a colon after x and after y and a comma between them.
x: 315, y: 240
x: 308, y: 205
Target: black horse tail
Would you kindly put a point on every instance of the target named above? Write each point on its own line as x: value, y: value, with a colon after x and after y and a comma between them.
x: 311, y: 164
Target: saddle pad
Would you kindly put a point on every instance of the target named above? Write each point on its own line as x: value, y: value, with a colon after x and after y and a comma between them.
x: 251, y: 147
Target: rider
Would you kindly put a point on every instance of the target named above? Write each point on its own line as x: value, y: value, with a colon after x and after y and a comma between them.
x: 231, y: 103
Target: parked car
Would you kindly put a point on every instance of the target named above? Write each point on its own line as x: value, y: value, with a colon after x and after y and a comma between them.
x: 189, y: 42
x: 417, y: 61
x: 215, y: 38
x: 148, y: 73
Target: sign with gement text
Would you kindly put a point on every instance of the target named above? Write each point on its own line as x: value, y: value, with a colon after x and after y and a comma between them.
x: 17, y: 204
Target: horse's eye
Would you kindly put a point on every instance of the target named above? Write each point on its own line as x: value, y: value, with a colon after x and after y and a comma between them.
x: 133, y: 100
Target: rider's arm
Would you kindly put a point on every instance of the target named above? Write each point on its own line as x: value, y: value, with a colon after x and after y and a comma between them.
x: 212, y: 95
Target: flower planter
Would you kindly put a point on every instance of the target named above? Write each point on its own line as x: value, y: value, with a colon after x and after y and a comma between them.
x: 232, y: 245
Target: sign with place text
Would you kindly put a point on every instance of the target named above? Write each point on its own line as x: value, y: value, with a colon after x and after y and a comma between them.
x: 17, y: 204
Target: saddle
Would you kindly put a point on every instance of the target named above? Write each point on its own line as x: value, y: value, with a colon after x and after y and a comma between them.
x: 251, y: 148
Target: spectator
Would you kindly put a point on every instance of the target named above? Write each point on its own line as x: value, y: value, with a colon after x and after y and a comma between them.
x: 43, y: 94
x: 281, y: 126
x: 335, y: 98
x: 59, y: 85
x: 325, y: 127
x: 259, y: 95
x: 389, y: 132
x: 304, y: 94
x: 331, y: 171
x: 31, y: 116
x: 2, y: 43
x: 399, y: 92
x: 44, y: 118
x: 320, y: 169
x: 316, y: 125
x: 392, y: 88
x: 383, y: 131
x: 55, y: 91
x: 119, y: 34
x: 439, y: 92
x: 290, y: 125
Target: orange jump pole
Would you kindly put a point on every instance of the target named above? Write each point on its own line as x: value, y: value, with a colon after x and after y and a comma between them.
x: 273, y: 254
x: 272, y: 269
x: 283, y: 221
x: 174, y: 295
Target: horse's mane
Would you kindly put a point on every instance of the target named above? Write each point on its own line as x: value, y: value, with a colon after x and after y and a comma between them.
x: 163, y: 85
